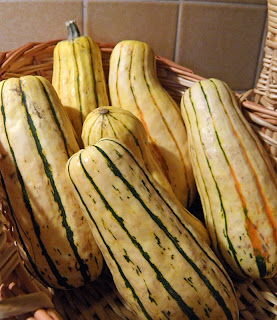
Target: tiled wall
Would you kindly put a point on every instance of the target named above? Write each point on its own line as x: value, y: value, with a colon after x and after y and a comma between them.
x: 222, y: 39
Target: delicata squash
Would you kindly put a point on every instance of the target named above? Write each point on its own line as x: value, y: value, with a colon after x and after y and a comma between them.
x: 161, y: 266
x: 78, y: 76
x: 36, y: 140
x: 134, y: 86
x: 121, y: 124
x: 235, y: 179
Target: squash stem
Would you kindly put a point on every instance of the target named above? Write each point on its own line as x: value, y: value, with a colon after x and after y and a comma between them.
x: 73, y: 30
x: 104, y: 111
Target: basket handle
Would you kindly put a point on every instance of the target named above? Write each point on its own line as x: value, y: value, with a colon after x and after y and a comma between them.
x: 266, y: 86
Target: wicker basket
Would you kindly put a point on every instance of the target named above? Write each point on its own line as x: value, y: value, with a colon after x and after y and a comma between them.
x: 22, y: 297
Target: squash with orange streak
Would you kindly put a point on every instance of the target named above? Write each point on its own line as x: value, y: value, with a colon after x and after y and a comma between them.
x: 235, y: 179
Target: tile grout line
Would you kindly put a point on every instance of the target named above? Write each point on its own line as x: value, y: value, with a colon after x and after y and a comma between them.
x: 84, y: 16
x: 177, y: 32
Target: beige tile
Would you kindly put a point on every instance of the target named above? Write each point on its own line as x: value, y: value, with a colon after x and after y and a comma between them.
x: 221, y: 40
x: 154, y: 22
x: 39, y: 20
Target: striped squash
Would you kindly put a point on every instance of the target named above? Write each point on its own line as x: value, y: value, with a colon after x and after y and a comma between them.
x: 160, y: 265
x: 133, y: 85
x: 37, y: 139
x: 121, y: 124
x: 78, y: 76
x: 235, y: 179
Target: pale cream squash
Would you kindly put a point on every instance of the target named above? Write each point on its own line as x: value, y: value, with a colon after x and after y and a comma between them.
x: 160, y: 265
x: 134, y: 86
x: 37, y: 139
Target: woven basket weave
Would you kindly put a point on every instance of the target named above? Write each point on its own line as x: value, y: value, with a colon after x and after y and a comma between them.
x: 22, y: 297
x: 261, y: 103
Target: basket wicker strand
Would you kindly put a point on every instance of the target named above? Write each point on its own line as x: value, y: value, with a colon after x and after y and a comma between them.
x: 261, y: 103
x: 24, y: 298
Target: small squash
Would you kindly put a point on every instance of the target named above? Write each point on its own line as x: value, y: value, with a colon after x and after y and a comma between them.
x: 113, y: 122
x: 78, y: 76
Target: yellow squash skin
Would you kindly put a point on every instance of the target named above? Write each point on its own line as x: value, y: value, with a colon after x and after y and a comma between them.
x: 78, y: 76
x: 160, y: 265
x: 235, y: 180
x: 121, y: 124
x: 134, y: 86
x: 37, y: 139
